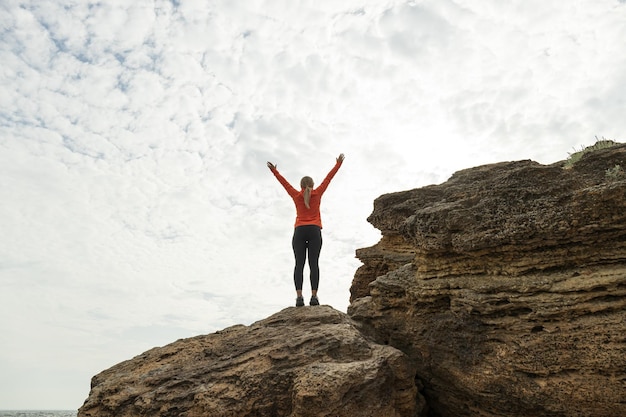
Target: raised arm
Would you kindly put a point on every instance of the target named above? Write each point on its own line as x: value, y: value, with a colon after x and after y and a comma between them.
x: 288, y: 187
x: 331, y: 174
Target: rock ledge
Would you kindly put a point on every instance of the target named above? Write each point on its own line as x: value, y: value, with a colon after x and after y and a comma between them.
x: 308, y: 361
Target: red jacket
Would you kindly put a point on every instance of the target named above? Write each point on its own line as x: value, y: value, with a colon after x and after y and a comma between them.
x: 304, y: 215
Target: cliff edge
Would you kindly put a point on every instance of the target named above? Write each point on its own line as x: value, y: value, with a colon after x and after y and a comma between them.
x: 506, y: 286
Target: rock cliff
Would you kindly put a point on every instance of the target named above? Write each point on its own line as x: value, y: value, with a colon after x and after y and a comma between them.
x: 506, y: 286
x: 501, y: 292
x: 308, y: 361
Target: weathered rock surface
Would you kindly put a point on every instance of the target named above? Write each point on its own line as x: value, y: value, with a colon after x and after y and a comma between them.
x: 502, y: 291
x: 506, y: 286
x: 308, y: 361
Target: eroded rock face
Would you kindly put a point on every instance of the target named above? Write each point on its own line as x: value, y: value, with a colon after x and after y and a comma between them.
x: 513, y: 301
x: 308, y: 361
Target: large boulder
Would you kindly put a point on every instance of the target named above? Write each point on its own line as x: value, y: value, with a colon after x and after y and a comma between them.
x: 305, y: 362
x: 506, y: 286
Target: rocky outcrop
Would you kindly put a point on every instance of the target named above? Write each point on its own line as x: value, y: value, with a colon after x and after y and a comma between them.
x: 506, y: 286
x: 308, y: 361
x: 501, y: 292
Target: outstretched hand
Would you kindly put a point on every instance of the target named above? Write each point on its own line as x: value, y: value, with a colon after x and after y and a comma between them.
x: 341, y: 157
x: 271, y: 166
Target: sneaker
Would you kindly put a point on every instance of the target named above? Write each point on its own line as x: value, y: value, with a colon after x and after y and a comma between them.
x: 299, y: 302
x: 314, y: 301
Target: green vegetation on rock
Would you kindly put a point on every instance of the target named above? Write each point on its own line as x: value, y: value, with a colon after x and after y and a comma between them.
x: 600, y: 144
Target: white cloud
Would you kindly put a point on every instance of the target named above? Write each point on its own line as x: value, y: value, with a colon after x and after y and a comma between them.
x: 137, y: 207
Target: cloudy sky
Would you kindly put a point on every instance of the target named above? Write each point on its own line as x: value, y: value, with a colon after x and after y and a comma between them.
x: 136, y: 206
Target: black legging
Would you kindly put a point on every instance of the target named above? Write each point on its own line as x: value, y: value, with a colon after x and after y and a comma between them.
x: 308, y: 237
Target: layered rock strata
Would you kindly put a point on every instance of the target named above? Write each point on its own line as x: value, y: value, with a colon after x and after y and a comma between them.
x: 308, y: 361
x: 506, y: 286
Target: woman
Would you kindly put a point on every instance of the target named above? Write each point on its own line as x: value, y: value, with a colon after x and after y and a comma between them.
x: 307, y: 235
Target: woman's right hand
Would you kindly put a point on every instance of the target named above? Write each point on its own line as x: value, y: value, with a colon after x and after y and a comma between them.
x: 271, y: 166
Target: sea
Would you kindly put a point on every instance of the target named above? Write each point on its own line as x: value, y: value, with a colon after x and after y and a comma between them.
x: 38, y: 413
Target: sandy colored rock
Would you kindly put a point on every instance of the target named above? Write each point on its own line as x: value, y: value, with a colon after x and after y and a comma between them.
x: 514, y: 301
x: 308, y: 361
x: 501, y: 292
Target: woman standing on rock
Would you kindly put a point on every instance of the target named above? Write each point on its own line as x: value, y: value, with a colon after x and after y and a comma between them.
x: 307, y: 235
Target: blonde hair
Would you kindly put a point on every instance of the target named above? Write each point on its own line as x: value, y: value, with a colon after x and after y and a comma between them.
x: 306, y: 183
